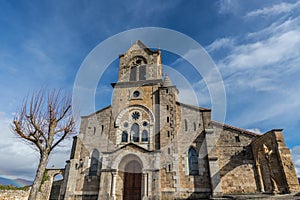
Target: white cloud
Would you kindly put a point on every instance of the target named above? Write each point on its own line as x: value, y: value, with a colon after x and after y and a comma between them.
x: 279, y: 26
x: 275, y: 49
x: 18, y: 160
x: 255, y: 130
x: 275, y: 9
x: 296, y: 158
x: 260, y: 71
x: 264, y: 62
x: 15, y: 153
x: 60, y: 154
x: 220, y: 44
x: 228, y: 6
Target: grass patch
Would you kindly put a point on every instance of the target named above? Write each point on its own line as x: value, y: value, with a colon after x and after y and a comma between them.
x: 11, y: 187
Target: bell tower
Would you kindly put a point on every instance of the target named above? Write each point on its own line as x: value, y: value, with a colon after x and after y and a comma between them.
x: 136, y: 96
x: 140, y: 63
x: 140, y: 76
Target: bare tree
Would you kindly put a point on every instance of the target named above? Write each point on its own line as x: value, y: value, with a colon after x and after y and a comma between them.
x: 43, y: 121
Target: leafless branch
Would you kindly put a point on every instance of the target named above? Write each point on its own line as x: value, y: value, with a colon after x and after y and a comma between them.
x: 44, y: 120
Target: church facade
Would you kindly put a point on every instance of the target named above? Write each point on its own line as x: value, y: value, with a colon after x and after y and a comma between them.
x: 148, y: 145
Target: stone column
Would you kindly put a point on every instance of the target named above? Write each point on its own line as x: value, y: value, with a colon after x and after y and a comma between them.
x: 113, y: 185
x: 145, y: 186
x: 260, y: 179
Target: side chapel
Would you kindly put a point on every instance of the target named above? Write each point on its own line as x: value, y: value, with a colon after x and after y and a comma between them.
x: 148, y: 145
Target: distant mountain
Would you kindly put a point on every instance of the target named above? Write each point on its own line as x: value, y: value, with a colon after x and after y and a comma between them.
x: 15, y: 182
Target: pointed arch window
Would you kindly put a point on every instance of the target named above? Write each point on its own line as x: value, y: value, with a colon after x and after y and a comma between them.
x: 145, y: 136
x: 135, y: 132
x: 193, y: 161
x: 94, y: 163
x: 124, y: 136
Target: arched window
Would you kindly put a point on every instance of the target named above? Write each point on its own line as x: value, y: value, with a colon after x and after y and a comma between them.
x: 185, y: 125
x: 195, y: 126
x: 135, y: 132
x: 142, y: 72
x: 193, y: 161
x: 124, y: 136
x: 145, y: 136
x: 94, y: 163
x: 133, y: 72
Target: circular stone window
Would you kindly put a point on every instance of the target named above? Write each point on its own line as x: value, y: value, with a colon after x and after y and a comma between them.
x: 135, y: 115
x: 125, y: 124
x: 136, y: 93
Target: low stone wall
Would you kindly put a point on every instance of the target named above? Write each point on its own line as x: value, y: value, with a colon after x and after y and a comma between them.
x: 14, y: 194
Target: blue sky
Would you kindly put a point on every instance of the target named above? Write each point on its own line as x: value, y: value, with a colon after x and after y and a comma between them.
x: 255, y: 45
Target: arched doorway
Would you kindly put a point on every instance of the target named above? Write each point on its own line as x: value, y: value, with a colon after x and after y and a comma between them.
x: 56, y: 185
x: 132, y: 188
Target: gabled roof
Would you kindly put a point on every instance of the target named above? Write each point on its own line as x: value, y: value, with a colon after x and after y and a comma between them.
x: 193, y: 107
x: 226, y: 126
x: 140, y: 45
x: 132, y: 145
x: 101, y: 110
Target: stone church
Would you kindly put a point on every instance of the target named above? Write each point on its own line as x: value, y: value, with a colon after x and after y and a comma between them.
x: 148, y: 145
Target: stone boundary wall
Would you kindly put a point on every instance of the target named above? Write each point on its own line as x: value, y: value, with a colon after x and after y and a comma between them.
x: 14, y: 194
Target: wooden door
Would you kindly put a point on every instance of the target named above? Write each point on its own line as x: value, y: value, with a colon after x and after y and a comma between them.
x: 132, y: 186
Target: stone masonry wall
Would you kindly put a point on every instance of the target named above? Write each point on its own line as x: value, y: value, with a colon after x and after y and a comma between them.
x: 237, y: 169
x: 96, y: 126
x: 94, y: 131
x: 198, y: 185
x: 190, y: 133
x: 14, y: 194
x: 168, y: 146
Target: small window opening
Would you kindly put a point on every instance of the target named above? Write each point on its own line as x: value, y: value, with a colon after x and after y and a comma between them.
x: 94, y: 163
x: 168, y: 119
x: 124, y: 136
x: 102, y: 128
x: 168, y: 133
x: 185, y: 125
x: 193, y: 161
x: 169, y: 168
x: 237, y: 138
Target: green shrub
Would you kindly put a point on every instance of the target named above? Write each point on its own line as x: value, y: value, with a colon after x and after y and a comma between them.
x: 12, y: 187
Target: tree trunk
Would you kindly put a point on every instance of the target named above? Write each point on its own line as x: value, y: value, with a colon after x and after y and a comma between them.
x: 38, y: 177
